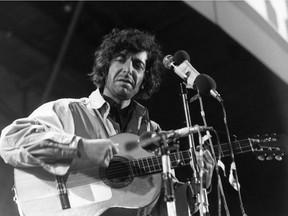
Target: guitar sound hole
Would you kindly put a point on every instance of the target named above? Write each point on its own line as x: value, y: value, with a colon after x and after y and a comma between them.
x: 117, y: 174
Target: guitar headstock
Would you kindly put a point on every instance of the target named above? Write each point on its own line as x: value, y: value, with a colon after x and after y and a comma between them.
x: 268, y: 147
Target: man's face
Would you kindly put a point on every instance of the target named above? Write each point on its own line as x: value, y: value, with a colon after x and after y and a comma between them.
x: 125, y: 75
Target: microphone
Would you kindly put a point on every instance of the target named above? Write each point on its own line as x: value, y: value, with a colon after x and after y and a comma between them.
x: 182, y: 67
x: 148, y: 138
x: 204, y: 83
x: 207, y: 86
x: 183, y: 132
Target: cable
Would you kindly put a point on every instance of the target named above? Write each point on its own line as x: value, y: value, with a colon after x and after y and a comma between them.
x: 233, y: 159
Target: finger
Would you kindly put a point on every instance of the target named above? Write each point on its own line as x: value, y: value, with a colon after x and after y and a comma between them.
x: 115, y: 148
x: 111, y: 153
x: 106, y: 162
x: 107, y: 158
x: 208, y: 157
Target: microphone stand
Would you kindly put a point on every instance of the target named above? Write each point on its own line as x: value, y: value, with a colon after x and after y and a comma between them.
x: 169, y: 197
x: 220, y: 187
x: 192, y: 149
x: 204, y: 210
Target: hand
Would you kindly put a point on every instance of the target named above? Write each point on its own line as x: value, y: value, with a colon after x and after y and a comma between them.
x: 100, y: 151
x: 208, y: 164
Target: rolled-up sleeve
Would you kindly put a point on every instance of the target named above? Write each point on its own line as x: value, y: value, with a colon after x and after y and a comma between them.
x: 45, y: 138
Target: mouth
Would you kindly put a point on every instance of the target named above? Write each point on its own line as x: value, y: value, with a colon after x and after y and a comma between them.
x: 125, y: 80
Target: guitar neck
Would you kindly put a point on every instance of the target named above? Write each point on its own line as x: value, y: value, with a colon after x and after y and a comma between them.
x: 239, y: 147
x: 153, y: 164
x: 150, y: 165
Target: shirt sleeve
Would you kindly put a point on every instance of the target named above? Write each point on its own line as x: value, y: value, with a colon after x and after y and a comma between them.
x: 45, y: 138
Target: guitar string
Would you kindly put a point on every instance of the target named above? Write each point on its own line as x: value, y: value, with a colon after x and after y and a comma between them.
x: 142, y: 168
x: 224, y: 147
x: 143, y: 165
x: 147, y: 165
x: 235, y: 146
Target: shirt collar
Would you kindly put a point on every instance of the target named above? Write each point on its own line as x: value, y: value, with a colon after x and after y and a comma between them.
x: 97, y: 101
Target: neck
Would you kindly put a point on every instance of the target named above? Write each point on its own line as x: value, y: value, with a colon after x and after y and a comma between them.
x: 122, y: 103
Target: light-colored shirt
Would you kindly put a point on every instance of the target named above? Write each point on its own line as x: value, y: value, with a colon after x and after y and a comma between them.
x: 48, y: 138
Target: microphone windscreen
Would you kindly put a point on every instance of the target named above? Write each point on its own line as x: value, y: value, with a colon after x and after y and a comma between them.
x: 167, y: 61
x: 181, y: 56
x: 204, y: 84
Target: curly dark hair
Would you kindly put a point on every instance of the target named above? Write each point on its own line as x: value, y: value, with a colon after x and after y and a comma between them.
x: 132, y: 40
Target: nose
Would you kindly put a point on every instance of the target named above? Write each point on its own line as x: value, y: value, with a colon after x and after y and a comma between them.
x: 128, y: 66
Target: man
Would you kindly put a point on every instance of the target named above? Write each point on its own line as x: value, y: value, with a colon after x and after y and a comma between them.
x: 69, y: 134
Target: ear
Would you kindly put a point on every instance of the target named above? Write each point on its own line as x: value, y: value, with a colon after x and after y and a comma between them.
x: 143, y: 83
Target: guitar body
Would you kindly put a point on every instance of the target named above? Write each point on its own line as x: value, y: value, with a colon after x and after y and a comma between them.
x: 130, y: 184
x: 91, y: 191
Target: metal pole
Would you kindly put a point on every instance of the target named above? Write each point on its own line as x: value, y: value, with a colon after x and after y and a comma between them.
x: 62, y: 52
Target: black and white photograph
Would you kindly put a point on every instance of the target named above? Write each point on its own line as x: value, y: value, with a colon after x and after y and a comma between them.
x: 144, y: 108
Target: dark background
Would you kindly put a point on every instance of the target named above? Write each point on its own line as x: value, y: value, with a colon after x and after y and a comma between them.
x: 45, y: 56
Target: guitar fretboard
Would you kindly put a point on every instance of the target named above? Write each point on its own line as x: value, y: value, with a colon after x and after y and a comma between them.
x: 153, y: 164
x: 239, y: 147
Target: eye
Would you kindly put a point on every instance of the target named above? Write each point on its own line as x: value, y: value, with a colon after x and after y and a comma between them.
x: 139, y: 65
x: 120, y: 58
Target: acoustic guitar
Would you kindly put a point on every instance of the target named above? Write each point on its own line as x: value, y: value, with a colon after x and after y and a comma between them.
x: 132, y: 182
